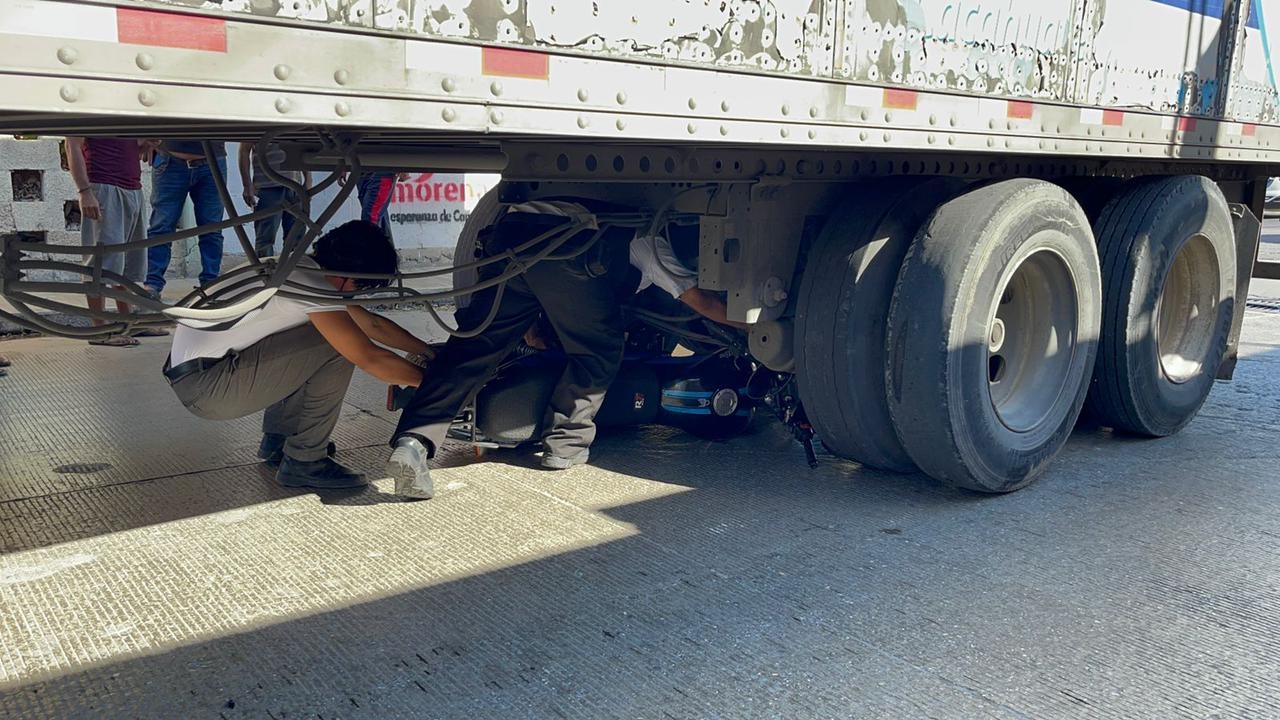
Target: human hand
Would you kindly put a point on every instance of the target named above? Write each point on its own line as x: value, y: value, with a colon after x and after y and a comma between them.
x: 89, y: 207
x: 249, y: 198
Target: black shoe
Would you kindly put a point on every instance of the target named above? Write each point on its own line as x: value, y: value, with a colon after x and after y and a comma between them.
x: 557, y: 462
x: 271, y: 449
x: 322, y: 474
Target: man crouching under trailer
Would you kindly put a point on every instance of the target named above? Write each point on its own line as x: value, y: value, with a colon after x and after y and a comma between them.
x: 293, y: 358
x: 579, y: 288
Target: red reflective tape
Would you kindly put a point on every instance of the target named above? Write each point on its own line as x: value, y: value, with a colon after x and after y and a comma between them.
x: 901, y: 99
x: 1250, y: 130
x: 162, y: 29
x: 1021, y: 110
x: 1186, y: 124
x: 515, y: 63
x: 1112, y: 117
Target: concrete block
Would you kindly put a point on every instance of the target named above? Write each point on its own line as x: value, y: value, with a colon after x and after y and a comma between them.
x: 41, y: 154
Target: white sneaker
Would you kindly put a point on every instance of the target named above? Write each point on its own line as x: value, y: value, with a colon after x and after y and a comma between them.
x: 409, y: 467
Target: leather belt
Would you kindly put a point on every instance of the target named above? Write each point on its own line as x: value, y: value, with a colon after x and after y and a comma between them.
x: 174, y: 373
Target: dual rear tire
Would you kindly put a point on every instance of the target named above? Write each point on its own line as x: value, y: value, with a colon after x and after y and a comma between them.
x: 964, y: 344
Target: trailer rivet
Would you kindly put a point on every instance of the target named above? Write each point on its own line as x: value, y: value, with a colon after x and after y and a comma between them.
x: 693, y: 128
x: 951, y: 140
x: 449, y: 114
x: 724, y: 106
x: 693, y: 103
x: 864, y: 115
x: 933, y: 139
x: 342, y: 108
x: 68, y: 55
x: 933, y: 119
x: 583, y: 122
x: 887, y: 137
x: 786, y: 109
x: 724, y: 130
x: 621, y: 124
x: 622, y: 98
x: 496, y: 116
x: 147, y: 98
x: 862, y: 136
x: 813, y: 111
x: 342, y: 77
x: 953, y: 121
x: 813, y: 134
x: 496, y: 88
x: 888, y: 117
x: 449, y: 85
x: 144, y: 61
x: 283, y: 105
x: 282, y: 72
x: 69, y: 93
x: 991, y: 142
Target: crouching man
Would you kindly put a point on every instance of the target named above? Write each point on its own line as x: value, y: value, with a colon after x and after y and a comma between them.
x: 293, y: 358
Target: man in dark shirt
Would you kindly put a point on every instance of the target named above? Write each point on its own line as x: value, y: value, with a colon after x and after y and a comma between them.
x: 108, y: 179
x: 178, y: 170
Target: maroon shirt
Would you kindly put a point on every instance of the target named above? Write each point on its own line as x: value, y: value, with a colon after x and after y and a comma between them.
x: 113, y: 161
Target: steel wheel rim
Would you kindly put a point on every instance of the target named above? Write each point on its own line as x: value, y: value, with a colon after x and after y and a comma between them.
x: 1186, y: 312
x: 1031, y: 340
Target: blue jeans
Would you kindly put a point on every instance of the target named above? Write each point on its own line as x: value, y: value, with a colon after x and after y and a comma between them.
x: 171, y: 181
x: 264, y: 230
x: 376, y: 190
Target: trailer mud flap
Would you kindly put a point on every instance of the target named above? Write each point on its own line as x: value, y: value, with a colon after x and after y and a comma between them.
x: 1248, y: 234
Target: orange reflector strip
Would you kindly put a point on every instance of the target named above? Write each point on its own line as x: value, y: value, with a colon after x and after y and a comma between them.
x: 1112, y: 117
x: 515, y: 63
x: 1021, y: 110
x: 901, y: 99
x: 1186, y: 124
x: 1250, y: 130
x: 163, y: 29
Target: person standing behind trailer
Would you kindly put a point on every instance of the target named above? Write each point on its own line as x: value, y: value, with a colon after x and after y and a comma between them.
x: 376, y: 190
x: 108, y: 177
x: 580, y: 299
x: 294, y: 357
x: 261, y: 192
x: 179, y: 170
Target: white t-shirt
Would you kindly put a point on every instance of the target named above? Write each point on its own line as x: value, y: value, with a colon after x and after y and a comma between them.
x: 653, y: 256
x: 193, y: 338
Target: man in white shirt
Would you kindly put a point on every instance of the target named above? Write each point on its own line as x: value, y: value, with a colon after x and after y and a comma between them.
x: 580, y: 299
x: 293, y: 358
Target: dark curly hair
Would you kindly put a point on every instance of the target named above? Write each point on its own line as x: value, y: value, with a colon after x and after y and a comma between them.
x: 358, y: 246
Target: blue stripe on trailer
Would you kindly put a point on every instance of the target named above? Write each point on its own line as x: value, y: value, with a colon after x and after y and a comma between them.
x: 1209, y: 8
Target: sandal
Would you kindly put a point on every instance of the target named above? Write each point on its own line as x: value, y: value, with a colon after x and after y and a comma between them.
x: 116, y: 341
x: 150, y: 332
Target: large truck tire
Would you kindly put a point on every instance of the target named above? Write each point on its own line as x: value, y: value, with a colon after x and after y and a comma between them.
x: 464, y: 251
x: 1168, y: 280
x: 992, y: 334
x: 841, y: 311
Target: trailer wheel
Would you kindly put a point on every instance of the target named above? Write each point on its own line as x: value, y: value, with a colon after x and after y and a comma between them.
x: 992, y: 334
x: 1168, y: 279
x: 485, y: 212
x: 841, y: 313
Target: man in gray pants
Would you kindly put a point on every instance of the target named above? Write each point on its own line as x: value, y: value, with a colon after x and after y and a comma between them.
x: 293, y: 358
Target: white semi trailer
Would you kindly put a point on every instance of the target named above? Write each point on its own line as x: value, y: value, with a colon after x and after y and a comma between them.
x: 955, y: 223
